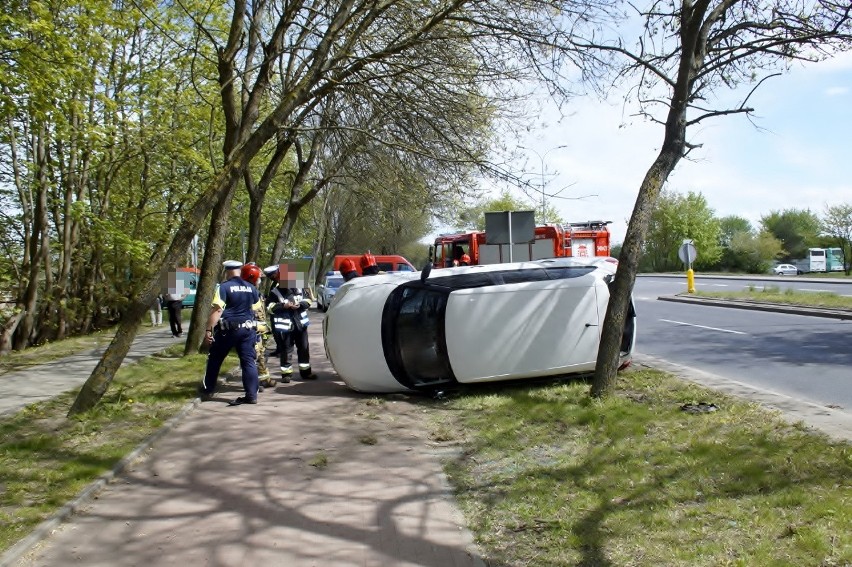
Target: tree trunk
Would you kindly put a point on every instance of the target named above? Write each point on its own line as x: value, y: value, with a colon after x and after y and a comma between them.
x: 257, y: 193
x: 8, y: 331
x: 97, y: 384
x: 104, y: 372
x: 628, y: 264
x: 38, y: 245
x: 211, y: 267
x: 255, y: 212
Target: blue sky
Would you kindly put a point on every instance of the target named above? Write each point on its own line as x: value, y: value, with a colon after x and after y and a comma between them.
x: 801, y: 157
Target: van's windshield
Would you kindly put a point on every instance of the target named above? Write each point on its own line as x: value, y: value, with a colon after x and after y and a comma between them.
x: 413, y: 336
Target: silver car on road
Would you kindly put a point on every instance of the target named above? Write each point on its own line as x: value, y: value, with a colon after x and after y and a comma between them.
x: 327, y: 289
x: 785, y: 270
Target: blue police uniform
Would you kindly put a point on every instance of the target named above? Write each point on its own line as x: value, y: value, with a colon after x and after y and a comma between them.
x: 235, y: 329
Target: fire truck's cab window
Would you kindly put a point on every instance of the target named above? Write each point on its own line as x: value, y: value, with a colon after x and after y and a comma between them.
x: 447, y: 257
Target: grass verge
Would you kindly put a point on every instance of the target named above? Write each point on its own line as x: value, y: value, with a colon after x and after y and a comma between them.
x: 546, y: 477
x: 549, y: 476
x: 46, y: 459
x: 773, y: 294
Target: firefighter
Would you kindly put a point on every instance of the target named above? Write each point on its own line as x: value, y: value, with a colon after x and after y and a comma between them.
x: 458, y: 252
x: 464, y: 260
x: 348, y: 270
x: 231, y: 325
x: 289, y: 310
x: 369, y: 266
x: 252, y: 273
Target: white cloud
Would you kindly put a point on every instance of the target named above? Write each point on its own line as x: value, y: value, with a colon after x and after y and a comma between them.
x: 837, y: 91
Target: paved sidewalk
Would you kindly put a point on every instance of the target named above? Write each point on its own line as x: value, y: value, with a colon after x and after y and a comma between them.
x: 314, y: 474
x: 42, y: 382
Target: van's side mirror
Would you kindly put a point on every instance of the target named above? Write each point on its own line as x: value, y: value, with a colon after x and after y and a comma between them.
x: 424, y: 274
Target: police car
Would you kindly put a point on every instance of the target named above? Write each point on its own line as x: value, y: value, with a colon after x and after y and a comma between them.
x: 326, y: 290
x: 431, y: 330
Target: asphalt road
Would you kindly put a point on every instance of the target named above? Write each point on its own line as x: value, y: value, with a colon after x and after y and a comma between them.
x: 808, y: 358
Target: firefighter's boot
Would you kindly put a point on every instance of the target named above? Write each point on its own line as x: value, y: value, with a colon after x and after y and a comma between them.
x: 306, y: 373
x: 286, y: 373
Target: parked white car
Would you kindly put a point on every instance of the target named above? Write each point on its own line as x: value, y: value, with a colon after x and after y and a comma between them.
x: 326, y: 290
x: 430, y: 330
x: 785, y: 270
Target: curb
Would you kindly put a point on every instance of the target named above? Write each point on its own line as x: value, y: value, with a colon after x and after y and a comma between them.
x: 843, y: 314
x: 44, y: 529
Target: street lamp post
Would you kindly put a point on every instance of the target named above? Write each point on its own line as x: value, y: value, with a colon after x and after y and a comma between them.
x: 541, y: 178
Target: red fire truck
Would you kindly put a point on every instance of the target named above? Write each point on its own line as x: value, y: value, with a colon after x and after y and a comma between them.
x: 579, y: 239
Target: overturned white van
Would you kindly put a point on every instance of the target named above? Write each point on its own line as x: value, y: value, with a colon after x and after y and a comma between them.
x: 432, y: 330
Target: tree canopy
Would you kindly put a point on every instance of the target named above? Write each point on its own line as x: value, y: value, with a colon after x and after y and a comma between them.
x: 128, y: 132
x: 676, y: 218
x: 796, y: 229
x: 837, y: 225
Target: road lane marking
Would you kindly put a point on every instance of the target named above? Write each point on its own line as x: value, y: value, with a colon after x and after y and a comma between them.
x: 813, y: 290
x: 704, y: 327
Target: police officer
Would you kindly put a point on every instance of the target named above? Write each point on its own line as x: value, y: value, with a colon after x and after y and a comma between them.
x: 289, y: 311
x: 231, y: 325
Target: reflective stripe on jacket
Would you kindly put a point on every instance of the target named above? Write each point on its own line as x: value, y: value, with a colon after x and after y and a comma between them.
x: 282, y: 316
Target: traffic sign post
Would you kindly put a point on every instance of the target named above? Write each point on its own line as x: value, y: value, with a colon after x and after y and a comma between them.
x: 687, y: 254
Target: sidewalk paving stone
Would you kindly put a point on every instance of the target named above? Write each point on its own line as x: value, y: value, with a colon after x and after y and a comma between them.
x: 246, y: 485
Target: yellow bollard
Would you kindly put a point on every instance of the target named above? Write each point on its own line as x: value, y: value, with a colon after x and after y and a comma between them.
x: 690, y: 281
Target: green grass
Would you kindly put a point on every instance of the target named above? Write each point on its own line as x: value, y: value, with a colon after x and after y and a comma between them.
x: 773, y: 294
x: 550, y: 477
x: 46, y: 459
x: 546, y: 475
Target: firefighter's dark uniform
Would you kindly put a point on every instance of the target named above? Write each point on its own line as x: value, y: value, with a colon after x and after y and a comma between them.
x: 290, y: 328
x: 235, y: 329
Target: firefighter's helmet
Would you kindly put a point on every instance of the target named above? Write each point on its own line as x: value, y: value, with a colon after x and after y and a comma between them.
x: 368, y: 260
x: 347, y: 266
x: 251, y: 272
x: 465, y: 260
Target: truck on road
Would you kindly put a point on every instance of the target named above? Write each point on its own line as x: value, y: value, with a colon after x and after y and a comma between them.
x: 578, y: 240
x: 820, y: 260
